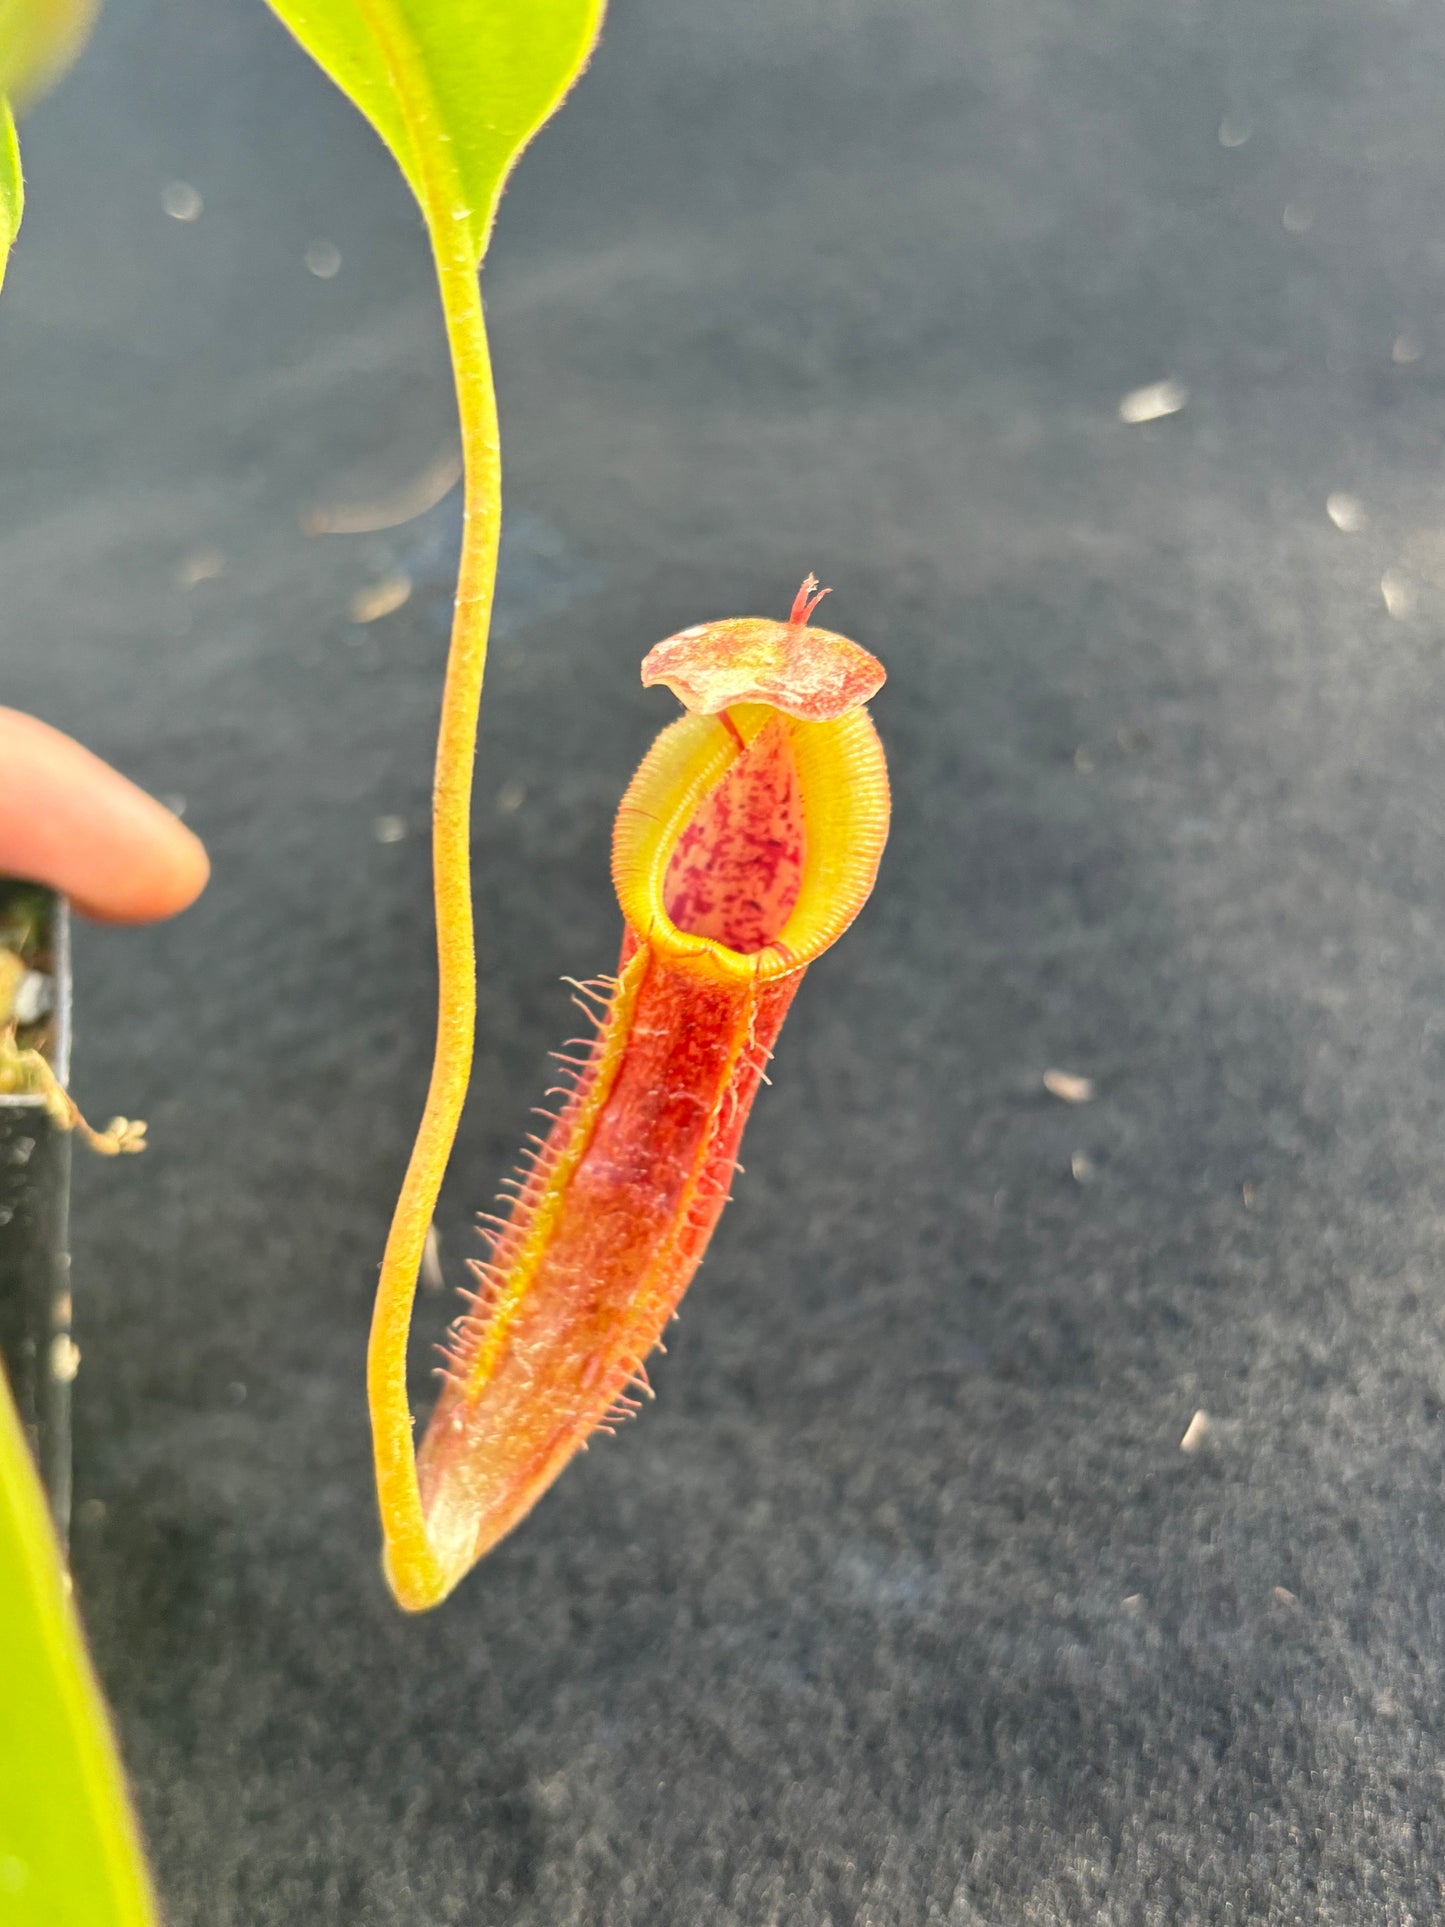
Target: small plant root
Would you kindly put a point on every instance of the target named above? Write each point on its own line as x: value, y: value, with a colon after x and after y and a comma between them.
x: 25, y: 1073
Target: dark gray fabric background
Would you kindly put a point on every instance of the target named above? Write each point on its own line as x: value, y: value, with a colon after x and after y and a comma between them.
x: 903, y: 1605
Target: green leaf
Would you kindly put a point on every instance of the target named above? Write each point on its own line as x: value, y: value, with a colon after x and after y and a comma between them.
x: 12, y: 187
x: 69, y: 1850
x: 456, y: 88
x: 38, y: 40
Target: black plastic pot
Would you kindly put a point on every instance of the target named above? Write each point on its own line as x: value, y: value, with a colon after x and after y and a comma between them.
x: 35, y: 1340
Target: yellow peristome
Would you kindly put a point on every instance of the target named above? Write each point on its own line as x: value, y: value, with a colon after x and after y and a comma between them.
x: 843, y: 785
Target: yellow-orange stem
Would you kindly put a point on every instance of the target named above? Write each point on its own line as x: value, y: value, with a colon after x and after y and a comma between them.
x: 411, y: 1568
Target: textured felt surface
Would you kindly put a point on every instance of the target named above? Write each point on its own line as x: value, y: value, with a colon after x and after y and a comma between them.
x: 903, y: 1604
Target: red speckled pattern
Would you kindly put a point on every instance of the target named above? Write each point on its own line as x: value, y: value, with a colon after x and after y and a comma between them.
x: 630, y: 1180
x: 734, y: 875
x: 636, y: 1214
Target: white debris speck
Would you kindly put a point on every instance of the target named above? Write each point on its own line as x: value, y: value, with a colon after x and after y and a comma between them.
x: 1297, y: 218
x: 389, y: 829
x: 1347, y: 512
x: 392, y: 509
x: 1134, y: 1602
x: 431, y: 1260
x: 381, y: 599
x: 1399, y: 594
x: 1406, y: 349
x: 1234, y: 133
x: 34, y: 997
x: 182, y: 201
x: 323, y: 259
x: 1195, y: 1432
x: 511, y: 797
x: 1152, y: 402
x: 1282, y: 1596
x: 1071, y: 1088
x: 204, y: 566
x: 175, y: 803
x: 64, y: 1358
x: 1082, y: 1167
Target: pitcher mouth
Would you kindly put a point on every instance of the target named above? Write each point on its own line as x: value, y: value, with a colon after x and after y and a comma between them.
x: 747, y: 842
